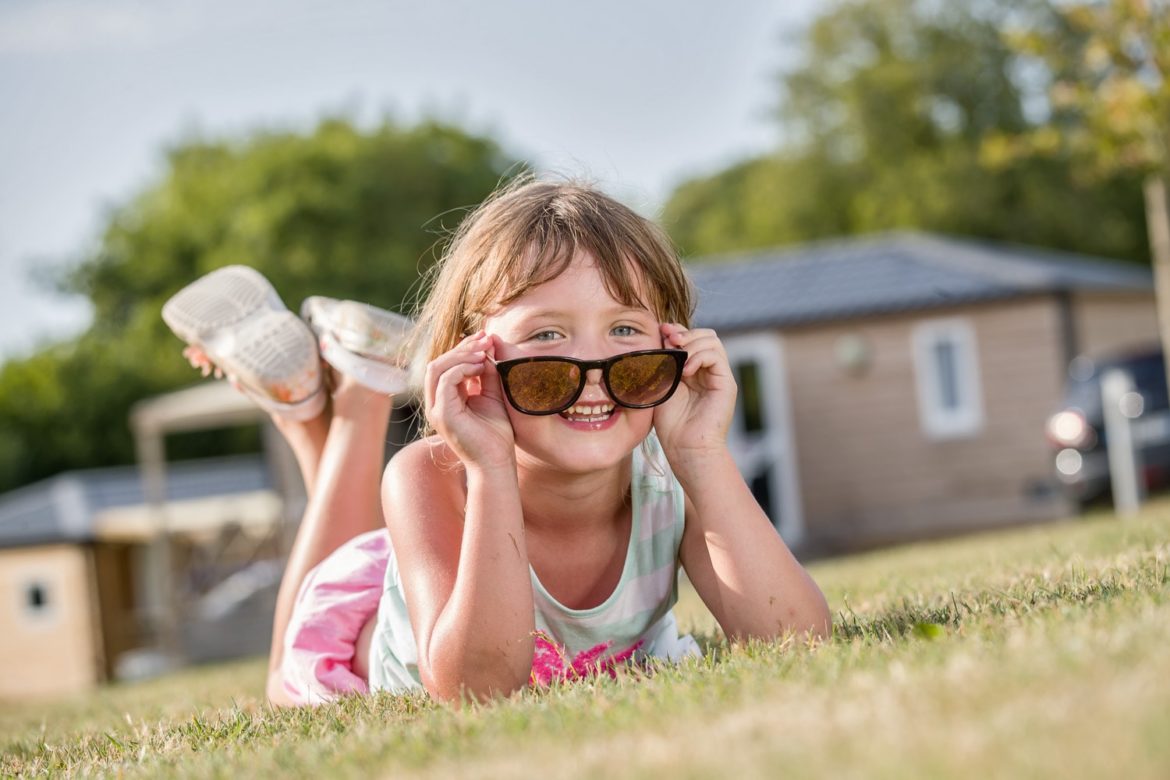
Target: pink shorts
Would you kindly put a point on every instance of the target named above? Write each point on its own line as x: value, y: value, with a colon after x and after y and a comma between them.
x: 336, y: 600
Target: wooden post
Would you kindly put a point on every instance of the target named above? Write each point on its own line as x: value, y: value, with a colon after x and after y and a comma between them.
x: 164, y: 606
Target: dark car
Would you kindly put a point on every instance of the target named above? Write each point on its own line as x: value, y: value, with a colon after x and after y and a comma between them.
x: 1077, y: 431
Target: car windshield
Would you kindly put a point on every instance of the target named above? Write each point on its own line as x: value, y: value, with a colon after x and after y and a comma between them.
x: 1149, y: 378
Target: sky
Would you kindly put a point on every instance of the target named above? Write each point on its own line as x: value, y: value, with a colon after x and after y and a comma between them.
x: 635, y: 95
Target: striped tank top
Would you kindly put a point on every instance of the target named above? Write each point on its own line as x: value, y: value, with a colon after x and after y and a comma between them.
x: 634, y: 623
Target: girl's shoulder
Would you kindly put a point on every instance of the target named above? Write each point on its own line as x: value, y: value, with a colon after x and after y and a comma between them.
x: 426, y: 465
x: 433, y: 447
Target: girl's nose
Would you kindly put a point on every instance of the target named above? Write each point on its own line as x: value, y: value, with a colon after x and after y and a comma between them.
x: 593, y: 376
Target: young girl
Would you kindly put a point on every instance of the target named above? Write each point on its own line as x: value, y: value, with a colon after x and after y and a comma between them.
x: 577, y: 456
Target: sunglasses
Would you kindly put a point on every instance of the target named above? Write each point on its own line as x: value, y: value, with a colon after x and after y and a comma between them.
x: 548, y: 384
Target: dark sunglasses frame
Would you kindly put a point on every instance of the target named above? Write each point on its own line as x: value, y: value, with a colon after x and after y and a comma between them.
x: 584, y: 366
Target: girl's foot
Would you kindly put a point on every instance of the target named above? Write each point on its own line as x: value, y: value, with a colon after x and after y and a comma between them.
x: 361, y: 341
x: 233, y: 319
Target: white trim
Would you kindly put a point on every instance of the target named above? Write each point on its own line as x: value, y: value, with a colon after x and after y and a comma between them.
x: 772, y: 449
x: 939, y: 418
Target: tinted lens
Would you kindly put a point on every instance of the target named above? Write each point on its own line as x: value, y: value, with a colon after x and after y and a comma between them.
x: 543, y: 385
x: 642, y: 379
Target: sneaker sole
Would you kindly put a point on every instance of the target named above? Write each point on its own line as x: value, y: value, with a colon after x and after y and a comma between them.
x: 218, y: 300
x: 374, y: 374
x: 257, y: 353
x: 236, y: 317
x: 361, y: 341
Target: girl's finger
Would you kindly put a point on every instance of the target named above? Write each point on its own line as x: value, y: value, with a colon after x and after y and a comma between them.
x: 490, y: 385
x: 440, y: 383
x: 471, y: 349
x: 709, y: 356
x: 439, y: 365
x: 702, y: 341
x: 703, y: 348
x: 677, y: 335
x: 451, y: 390
x: 697, y: 361
x: 670, y: 334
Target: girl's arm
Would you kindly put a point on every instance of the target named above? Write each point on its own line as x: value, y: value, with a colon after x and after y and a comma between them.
x: 737, y: 562
x: 460, y: 544
x: 464, y: 571
x: 740, y: 566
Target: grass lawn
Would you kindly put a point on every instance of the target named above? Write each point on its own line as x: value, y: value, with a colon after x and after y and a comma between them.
x: 1037, y: 653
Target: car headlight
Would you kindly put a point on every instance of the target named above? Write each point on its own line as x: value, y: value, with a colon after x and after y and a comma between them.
x: 1069, y: 462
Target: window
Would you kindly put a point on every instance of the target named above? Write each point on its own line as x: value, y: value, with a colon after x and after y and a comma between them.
x: 761, y: 489
x: 38, y: 597
x: 750, y: 400
x: 37, y: 600
x: 946, y: 365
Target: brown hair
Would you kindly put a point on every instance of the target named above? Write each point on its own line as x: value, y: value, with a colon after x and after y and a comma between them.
x: 528, y: 233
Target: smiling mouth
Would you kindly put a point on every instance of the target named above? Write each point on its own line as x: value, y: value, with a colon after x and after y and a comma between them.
x: 588, y: 412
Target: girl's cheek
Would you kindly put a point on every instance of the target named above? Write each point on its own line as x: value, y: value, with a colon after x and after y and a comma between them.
x: 515, y: 418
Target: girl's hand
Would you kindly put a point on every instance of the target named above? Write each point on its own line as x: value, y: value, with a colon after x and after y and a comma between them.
x: 198, y: 359
x: 693, y: 424
x: 465, y: 404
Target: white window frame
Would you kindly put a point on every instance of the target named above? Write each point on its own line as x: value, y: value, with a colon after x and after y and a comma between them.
x: 776, y: 441
x: 938, y: 421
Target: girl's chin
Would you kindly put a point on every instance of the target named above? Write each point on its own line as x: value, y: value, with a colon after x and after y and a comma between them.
x: 581, y: 446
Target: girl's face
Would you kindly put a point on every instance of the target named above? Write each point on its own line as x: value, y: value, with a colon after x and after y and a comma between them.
x: 574, y: 315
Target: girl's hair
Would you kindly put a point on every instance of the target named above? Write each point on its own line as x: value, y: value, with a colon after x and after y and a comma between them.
x: 528, y: 233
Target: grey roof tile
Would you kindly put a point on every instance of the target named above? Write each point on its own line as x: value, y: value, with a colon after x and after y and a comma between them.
x: 62, y: 508
x: 888, y: 273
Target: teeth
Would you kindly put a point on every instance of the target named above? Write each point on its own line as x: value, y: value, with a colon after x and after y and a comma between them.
x: 589, y: 410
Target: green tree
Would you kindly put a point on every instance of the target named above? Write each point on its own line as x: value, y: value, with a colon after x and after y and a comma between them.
x: 337, y: 211
x: 884, y: 115
x: 1108, y: 66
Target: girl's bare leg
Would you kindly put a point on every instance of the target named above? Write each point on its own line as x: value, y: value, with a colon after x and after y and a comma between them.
x: 343, y: 471
x: 307, y: 441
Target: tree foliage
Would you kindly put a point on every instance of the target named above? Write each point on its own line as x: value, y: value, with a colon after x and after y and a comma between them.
x: 1109, y: 107
x: 885, y: 116
x: 336, y: 211
x: 1108, y: 88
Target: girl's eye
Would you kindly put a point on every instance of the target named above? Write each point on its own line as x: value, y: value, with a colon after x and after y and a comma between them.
x: 546, y: 335
x: 625, y: 330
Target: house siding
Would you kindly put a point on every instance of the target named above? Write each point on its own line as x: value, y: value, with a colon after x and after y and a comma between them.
x: 870, y: 474
x: 1108, y: 323
x: 55, y: 651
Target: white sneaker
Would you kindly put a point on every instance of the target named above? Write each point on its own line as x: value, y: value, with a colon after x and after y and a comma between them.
x: 234, y: 315
x: 361, y: 341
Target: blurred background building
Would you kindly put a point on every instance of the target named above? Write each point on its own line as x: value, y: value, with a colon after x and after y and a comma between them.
x: 81, y: 598
x: 897, y: 387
